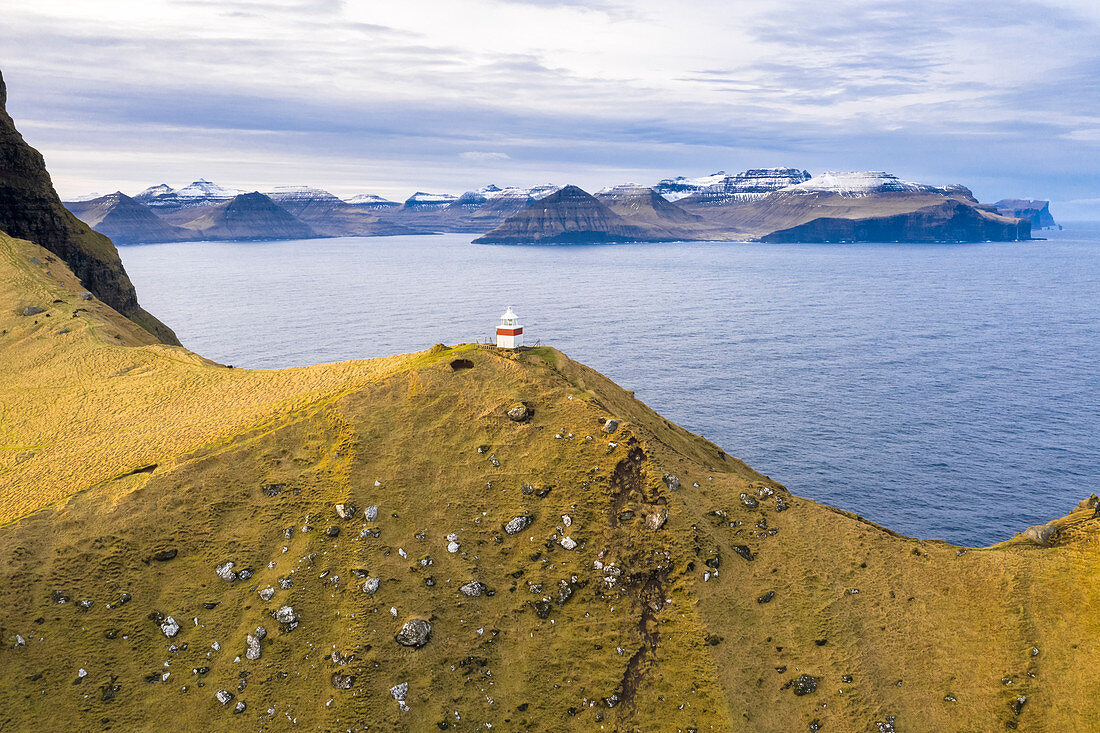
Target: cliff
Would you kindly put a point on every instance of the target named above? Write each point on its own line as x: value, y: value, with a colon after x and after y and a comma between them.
x: 30, y: 209
x: 125, y: 220
x: 1036, y: 212
x: 948, y: 221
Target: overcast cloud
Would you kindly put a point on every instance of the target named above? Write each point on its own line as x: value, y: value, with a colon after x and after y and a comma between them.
x: 447, y: 95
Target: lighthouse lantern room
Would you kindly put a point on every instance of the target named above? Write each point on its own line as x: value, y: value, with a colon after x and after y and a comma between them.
x: 509, y: 332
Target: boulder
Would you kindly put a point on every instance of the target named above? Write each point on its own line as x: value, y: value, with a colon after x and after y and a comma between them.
x: 285, y: 615
x: 517, y: 524
x: 342, y: 681
x: 223, y: 696
x: 252, y: 647
x: 345, y: 511
x: 672, y: 482
x: 568, y: 543
x: 225, y: 572
x: 610, y: 426
x: 170, y: 627
x: 414, y: 633
x: 32, y: 310
x: 371, y: 513
x: 657, y: 519
x: 1041, y: 534
x: 371, y: 585
x: 804, y: 684
x: 400, y: 692
x: 518, y: 412
x: 473, y: 589
x: 267, y: 593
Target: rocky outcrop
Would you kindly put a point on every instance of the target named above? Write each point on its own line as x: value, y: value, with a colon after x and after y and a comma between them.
x: 247, y: 217
x: 949, y: 221
x: 30, y: 209
x: 126, y: 221
x: 1037, y: 212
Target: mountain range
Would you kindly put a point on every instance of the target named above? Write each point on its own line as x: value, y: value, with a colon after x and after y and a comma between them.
x: 768, y: 204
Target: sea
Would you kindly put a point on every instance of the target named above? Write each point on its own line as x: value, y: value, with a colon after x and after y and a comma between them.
x: 942, y: 390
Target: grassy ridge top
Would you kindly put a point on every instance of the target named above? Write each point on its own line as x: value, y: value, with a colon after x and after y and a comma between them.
x: 708, y: 621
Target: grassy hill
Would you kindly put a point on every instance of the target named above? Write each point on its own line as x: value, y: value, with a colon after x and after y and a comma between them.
x: 130, y: 471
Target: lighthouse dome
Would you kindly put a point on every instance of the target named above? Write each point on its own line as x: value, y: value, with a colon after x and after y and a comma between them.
x: 509, y: 317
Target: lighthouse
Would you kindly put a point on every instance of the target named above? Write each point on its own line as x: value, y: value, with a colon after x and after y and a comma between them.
x: 509, y: 332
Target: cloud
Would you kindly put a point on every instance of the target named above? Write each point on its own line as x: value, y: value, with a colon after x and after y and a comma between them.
x: 480, y: 156
x: 1005, y: 97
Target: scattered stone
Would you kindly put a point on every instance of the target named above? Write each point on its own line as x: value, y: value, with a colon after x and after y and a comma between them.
x: 267, y: 593
x: 887, y: 726
x: 245, y: 574
x: 780, y: 505
x: 333, y: 531
x: 518, y: 412
x: 371, y: 513
x: 414, y: 633
x: 19, y: 641
x: 610, y: 426
x: 85, y: 605
x: 672, y: 482
x: 170, y: 627
x: 400, y: 692
x: 166, y: 555
x: 473, y: 589
x: 743, y: 551
x: 286, y: 583
x: 518, y: 524
x: 452, y: 547
x: 565, y: 591
x: 1041, y: 534
x: 568, y: 543
x: 1034, y: 651
x: 225, y: 572
x: 767, y: 597
x: 749, y: 501
x: 223, y: 696
x: 345, y: 511
x: 273, y: 490
x: 85, y: 295
x: 32, y: 310
x: 1018, y: 704
x: 804, y: 684
x: 239, y: 707
x: 371, y: 585
x: 285, y: 615
x: 566, y: 520
x: 342, y: 681
x: 657, y: 519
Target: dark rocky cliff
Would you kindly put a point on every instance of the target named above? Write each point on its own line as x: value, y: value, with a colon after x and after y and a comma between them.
x: 949, y: 221
x: 1037, y: 212
x: 30, y: 209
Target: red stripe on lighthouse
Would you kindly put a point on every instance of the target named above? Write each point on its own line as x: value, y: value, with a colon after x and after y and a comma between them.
x: 505, y: 331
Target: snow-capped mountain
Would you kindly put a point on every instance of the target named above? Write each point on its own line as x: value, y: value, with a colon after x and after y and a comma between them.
x: 85, y: 197
x: 371, y: 200
x: 198, y: 193
x: 423, y: 200
x: 747, y: 186
x: 681, y: 187
x: 866, y: 183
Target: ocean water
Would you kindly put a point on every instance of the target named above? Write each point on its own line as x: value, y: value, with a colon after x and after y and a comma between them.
x: 948, y: 391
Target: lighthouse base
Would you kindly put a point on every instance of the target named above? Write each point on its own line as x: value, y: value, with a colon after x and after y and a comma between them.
x: 509, y: 341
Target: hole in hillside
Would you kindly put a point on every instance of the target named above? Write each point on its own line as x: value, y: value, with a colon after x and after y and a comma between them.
x: 460, y: 364
x: 143, y: 469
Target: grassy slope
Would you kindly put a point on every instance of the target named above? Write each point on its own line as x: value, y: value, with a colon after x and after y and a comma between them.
x: 79, y: 409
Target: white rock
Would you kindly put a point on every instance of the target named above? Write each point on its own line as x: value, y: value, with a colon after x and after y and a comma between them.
x: 371, y: 513
x: 377, y: 483
x: 170, y: 627
x: 402, y: 553
x: 216, y: 646
x: 393, y: 611
x: 267, y: 593
x: 452, y: 537
x: 400, y: 692
x: 253, y: 648
x: 371, y: 585
x: 82, y: 673
x: 566, y: 520
x: 286, y: 615
x: 452, y: 547
x: 225, y: 572
x: 568, y: 543
x: 223, y: 696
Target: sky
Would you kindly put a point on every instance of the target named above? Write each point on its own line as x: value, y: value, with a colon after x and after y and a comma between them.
x: 449, y: 95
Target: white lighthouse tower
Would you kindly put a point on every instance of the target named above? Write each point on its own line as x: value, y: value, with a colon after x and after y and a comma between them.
x: 509, y: 332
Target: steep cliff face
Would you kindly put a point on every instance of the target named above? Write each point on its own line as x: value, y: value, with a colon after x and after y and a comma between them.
x: 949, y: 221
x: 30, y: 209
x: 126, y: 221
x: 747, y: 186
x: 249, y: 216
x: 569, y: 215
x: 1037, y: 212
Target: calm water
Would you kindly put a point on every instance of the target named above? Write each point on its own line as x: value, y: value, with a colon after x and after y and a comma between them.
x: 941, y: 390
